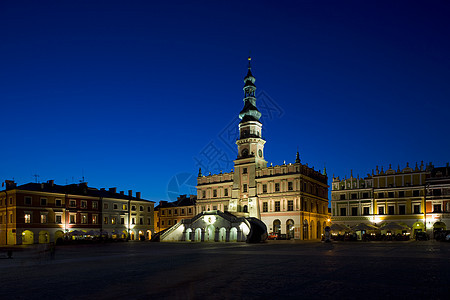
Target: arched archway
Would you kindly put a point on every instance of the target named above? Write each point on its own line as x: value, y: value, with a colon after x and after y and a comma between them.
x: 210, y: 233
x: 233, y: 234
x: 319, y: 230
x: 245, y: 208
x: 305, y: 230
x: 198, y: 235
x: 149, y: 235
x: 438, y: 228
x: 27, y: 237
x: 222, y: 235
x: 417, y: 227
x: 132, y: 235
x: 141, y: 235
x: 59, y: 236
x: 277, y: 227
x: 44, y: 237
x: 290, y: 229
x: 188, y: 234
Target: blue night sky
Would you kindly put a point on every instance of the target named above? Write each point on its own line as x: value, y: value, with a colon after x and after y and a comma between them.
x: 138, y: 94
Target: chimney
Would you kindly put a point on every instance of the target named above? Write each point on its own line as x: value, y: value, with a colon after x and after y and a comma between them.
x: 130, y: 193
x: 102, y: 189
x: 51, y: 183
x: 113, y: 190
x: 122, y: 193
x: 138, y: 195
x: 10, y: 184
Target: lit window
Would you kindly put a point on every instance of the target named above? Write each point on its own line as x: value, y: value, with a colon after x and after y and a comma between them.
x: 113, y: 220
x: 277, y: 205
x: 290, y: 205
x: 43, y: 218
x: 28, y: 218
x: 265, y: 207
x: 124, y: 207
x: 105, y: 220
x: 72, y: 219
x: 94, y: 219
x: 84, y: 219
x: 94, y: 204
x: 58, y: 219
x: 83, y: 204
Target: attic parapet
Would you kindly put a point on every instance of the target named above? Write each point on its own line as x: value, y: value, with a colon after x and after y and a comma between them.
x: 296, y: 168
x: 215, y: 178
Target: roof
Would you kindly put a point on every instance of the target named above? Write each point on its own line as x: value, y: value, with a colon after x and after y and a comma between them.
x: 182, y: 201
x: 81, y: 189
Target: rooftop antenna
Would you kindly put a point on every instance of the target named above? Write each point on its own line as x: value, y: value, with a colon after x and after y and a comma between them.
x: 36, y: 177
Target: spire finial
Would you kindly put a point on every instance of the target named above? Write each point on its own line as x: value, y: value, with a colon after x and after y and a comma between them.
x: 297, y: 158
x: 249, y: 62
x: 199, y: 172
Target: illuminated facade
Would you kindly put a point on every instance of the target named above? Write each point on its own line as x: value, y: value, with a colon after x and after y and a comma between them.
x: 44, y: 212
x: 291, y: 199
x: 171, y: 213
x: 394, y: 196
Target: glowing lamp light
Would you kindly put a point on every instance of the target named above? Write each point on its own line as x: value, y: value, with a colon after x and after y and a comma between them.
x: 209, y: 219
x: 328, y: 220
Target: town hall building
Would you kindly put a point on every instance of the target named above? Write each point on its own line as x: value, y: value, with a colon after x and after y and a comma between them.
x: 291, y: 199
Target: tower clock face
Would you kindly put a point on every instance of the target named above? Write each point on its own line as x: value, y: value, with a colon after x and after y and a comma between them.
x: 244, y: 152
x: 260, y: 153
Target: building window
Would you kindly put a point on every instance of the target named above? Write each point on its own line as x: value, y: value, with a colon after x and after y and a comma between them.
x: 11, y: 218
x: 83, y: 204
x: 105, y: 220
x: 290, y: 186
x: 391, y: 210
x: 342, y: 196
x: 277, y: 205
x: 182, y: 211
x: 190, y: 210
x: 115, y: 206
x: 175, y: 211
x: 43, y: 218
x: 124, y: 207
x: 354, y: 196
x: 133, y: 207
x: 416, y: 193
x: 141, y: 208
x: 214, y: 193
x: 416, y: 208
x: 214, y: 207
x: 277, y: 187
x: 141, y: 221
x: 163, y: 212
x: 28, y: 218
x: 133, y: 220
x: 264, y: 188
x: 366, y: 210
x: 162, y: 223
x: 203, y: 194
x: 72, y: 219
x: 105, y: 206
x: 225, y: 208
x: 381, y: 210
x: 390, y: 194
x: 169, y: 222
x: 72, y: 203
x: 343, y: 211
x: 437, y: 208
x: 226, y: 192
x: 148, y: 209
x: 43, y: 201
x: 94, y: 204
x: 265, y: 207
x: 401, y: 209
x: 58, y: 219
x: 122, y: 221
x: 149, y: 221
x: 58, y: 202
x: 11, y: 201
x: 27, y: 200
x: 365, y: 195
x: 354, y: 211
x: 169, y: 212
x: 380, y: 195
x: 244, y: 170
x: 290, y: 205
x: 401, y: 194
x: 94, y: 219
x: 84, y: 219
x: 245, y: 188
x: 174, y: 222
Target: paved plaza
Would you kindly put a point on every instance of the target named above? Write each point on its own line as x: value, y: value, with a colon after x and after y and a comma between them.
x: 276, y: 269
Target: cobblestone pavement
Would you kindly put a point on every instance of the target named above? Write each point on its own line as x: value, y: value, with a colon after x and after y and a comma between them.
x: 276, y: 269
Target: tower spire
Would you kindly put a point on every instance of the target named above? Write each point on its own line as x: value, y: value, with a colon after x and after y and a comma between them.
x: 249, y: 112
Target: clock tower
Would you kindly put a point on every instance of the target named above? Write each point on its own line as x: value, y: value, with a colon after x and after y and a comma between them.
x: 250, y: 153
